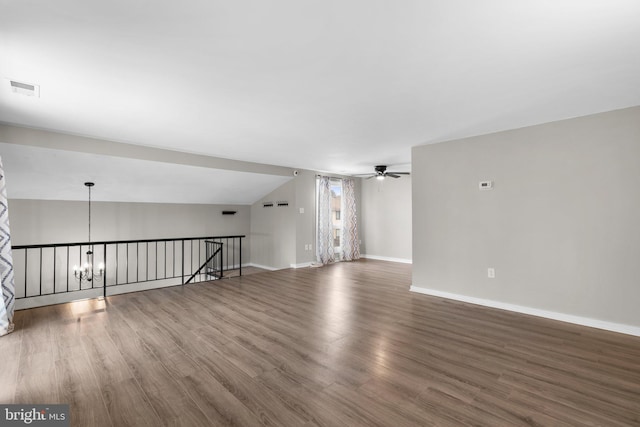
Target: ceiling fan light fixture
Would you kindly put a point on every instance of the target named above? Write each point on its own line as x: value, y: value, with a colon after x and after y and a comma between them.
x: 381, y: 173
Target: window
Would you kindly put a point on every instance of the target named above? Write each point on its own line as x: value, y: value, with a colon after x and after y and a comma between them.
x: 336, y: 228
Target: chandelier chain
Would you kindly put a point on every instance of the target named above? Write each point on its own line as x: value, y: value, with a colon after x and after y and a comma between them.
x: 89, y: 214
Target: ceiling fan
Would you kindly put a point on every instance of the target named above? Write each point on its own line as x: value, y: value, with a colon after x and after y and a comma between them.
x: 381, y: 172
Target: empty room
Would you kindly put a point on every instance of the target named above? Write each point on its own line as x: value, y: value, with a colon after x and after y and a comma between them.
x: 303, y: 213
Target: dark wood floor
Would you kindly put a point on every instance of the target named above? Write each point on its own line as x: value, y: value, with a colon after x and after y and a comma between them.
x: 343, y: 345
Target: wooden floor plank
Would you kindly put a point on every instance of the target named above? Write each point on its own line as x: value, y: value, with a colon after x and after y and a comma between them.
x: 10, y: 351
x: 346, y: 344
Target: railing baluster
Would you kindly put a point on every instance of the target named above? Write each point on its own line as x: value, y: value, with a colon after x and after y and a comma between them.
x: 221, y: 261
x: 26, y: 270
x: 40, y: 271
x: 54, y: 270
x: 240, y: 272
x: 127, y: 263
x: 116, y: 281
x: 67, y: 268
x: 104, y: 273
x: 93, y: 282
x: 80, y: 264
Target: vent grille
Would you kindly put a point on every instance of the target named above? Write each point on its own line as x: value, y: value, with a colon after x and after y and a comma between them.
x: 26, y: 89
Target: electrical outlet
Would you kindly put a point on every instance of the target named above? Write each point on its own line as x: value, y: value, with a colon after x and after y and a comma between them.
x: 491, y: 273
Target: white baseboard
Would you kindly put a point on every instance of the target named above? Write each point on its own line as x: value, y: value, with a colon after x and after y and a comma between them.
x: 302, y: 265
x: 386, y: 258
x: 61, y: 298
x: 264, y: 267
x: 236, y: 266
x: 65, y: 297
x: 578, y: 320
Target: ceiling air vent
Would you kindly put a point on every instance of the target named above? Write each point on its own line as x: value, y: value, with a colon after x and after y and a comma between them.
x: 25, y: 88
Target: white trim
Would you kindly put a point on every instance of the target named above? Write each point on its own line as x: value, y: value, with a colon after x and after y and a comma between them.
x: 578, y: 320
x: 144, y: 286
x: 386, y: 258
x: 59, y: 298
x: 302, y: 265
x: 236, y: 266
x: 264, y: 267
x: 85, y: 294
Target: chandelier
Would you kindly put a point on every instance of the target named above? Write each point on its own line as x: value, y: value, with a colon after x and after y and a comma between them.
x: 85, y: 271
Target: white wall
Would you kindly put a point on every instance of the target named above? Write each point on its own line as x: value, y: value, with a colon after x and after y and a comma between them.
x: 561, y: 227
x: 386, y: 222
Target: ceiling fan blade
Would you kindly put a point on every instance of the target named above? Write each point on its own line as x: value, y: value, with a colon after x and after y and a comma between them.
x: 392, y: 175
x: 363, y: 174
x: 399, y: 173
x: 372, y: 176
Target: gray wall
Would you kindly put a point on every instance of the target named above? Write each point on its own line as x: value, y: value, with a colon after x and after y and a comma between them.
x: 561, y: 227
x: 279, y: 235
x: 273, y: 230
x: 47, y: 221
x: 305, y: 184
x: 386, y: 226
x: 40, y: 221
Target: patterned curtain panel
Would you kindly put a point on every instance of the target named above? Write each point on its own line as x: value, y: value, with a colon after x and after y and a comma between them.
x: 6, y: 262
x: 350, y: 240
x: 325, y: 225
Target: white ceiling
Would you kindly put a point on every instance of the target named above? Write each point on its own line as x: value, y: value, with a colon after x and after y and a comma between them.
x: 326, y: 85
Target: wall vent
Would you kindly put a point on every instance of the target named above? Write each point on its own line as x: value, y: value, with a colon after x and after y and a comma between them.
x: 26, y: 89
x: 267, y: 205
x: 229, y: 212
x: 283, y: 203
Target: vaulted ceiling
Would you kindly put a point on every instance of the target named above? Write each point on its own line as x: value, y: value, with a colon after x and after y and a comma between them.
x: 326, y: 85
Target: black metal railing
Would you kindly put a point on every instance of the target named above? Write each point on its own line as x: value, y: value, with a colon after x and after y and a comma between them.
x: 213, y: 266
x: 48, y: 269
